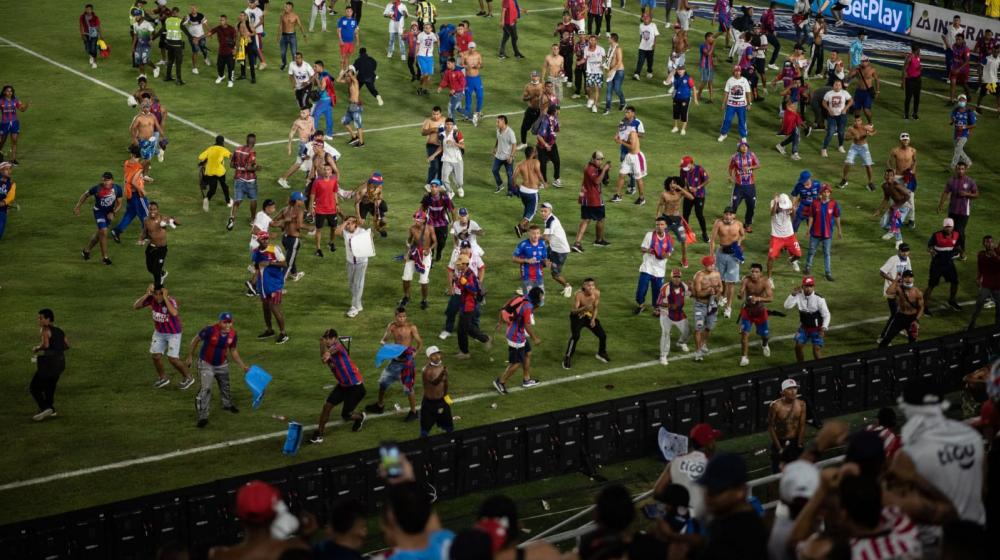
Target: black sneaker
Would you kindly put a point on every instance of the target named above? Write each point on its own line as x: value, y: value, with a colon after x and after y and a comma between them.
x: 829, y: 278
x: 375, y: 408
x: 359, y: 423
x: 616, y: 198
x: 640, y: 201
x: 501, y: 56
x: 85, y: 255
x: 332, y: 247
x: 106, y: 261
x: 871, y: 187
x: 602, y: 357
x: 202, y: 423
x: 518, y: 231
x: 354, y: 140
x: 230, y: 223
x: 316, y: 438
x: 498, y: 190
x: 411, y: 416
x: 404, y: 302
x: 602, y: 243
x: 116, y: 236
x: 266, y: 334
x: 231, y: 408
x: 500, y: 387
x: 250, y: 289
x: 383, y: 234
x: 638, y: 309
x: 954, y: 305
x: 360, y: 145
x: 282, y: 338
x: 319, y: 253
x: 519, y: 56
x: 423, y: 304
x: 577, y: 248
x: 566, y: 363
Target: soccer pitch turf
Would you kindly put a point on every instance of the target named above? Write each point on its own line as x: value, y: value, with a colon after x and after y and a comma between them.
x: 109, y: 413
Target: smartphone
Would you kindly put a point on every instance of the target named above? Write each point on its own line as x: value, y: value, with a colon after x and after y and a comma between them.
x: 389, y: 453
x: 654, y: 511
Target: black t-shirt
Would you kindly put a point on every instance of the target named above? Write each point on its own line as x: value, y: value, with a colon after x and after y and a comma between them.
x: 329, y: 550
x: 741, y: 535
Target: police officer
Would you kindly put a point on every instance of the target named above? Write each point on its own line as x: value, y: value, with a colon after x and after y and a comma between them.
x: 174, y: 38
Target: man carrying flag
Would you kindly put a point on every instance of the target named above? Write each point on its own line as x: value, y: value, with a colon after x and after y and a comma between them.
x: 350, y: 389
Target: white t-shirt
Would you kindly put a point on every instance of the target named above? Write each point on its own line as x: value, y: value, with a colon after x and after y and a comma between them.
x: 450, y: 152
x: 475, y: 261
x: 394, y: 25
x: 195, y: 28
x: 302, y: 73
x: 648, y: 32
x: 556, y: 235
x: 256, y: 18
x: 737, y: 89
x: 894, y: 267
x: 307, y: 159
x: 836, y: 101
x: 144, y: 29
x: 625, y: 128
x: 761, y: 51
x: 951, y: 32
x: 471, y: 227
x: 347, y: 245
x: 261, y: 222
x: 425, y: 44
x: 781, y: 224
x: 990, y: 69
x: 595, y: 59
x: 650, y: 264
x: 685, y: 470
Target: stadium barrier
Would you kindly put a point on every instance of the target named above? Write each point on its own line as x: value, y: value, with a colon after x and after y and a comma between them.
x: 490, y: 457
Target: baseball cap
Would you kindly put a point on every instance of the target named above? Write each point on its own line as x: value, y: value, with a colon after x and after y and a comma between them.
x: 107, y: 175
x: 225, y: 317
x: 547, y: 205
x: 743, y: 143
x: 255, y: 502
x: 707, y: 260
x: 686, y: 161
x: 825, y: 187
x: 784, y: 202
x: 136, y: 12
x: 808, y: 281
x: 675, y: 273
x: 298, y: 196
x: 598, y: 154
x: 805, y: 175
x: 463, y: 211
x: 535, y: 73
x: 704, y: 434
x: 376, y: 178
x: 436, y: 182
x: 962, y: 97
x: 472, y: 44
x: 431, y: 350
x: 904, y: 135
x: 789, y: 383
x: 903, y: 247
x: 799, y: 479
x: 724, y: 472
x: 419, y: 215
x: 351, y: 68
x: 5, y: 164
x: 948, y: 222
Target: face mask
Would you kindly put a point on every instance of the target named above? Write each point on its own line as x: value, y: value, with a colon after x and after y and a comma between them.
x: 907, y: 284
x: 961, y: 104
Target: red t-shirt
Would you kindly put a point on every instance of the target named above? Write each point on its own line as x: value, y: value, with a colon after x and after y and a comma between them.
x: 592, y: 186
x: 790, y: 121
x: 989, y: 270
x: 325, y: 193
x: 462, y: 41
x: 510, y: 12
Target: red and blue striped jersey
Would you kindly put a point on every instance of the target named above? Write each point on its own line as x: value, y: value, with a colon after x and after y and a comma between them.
x: 517, y: 329
x: 740, y: 165
x: 216, y: 344
x: 342, y: 367
x: 538, y: 252
x: 8, y: 109
x: 163, y: 321
x: 823, y: 214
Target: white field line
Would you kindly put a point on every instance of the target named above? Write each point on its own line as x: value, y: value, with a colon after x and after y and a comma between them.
x: 467, y: 398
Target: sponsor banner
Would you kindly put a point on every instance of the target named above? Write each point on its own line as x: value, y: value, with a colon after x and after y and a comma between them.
x: 929, y: 23
x: 884, y: 15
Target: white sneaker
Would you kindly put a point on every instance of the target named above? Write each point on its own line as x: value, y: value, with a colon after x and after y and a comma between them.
x: 770, y: 282
x: 796, y: 156
x: 159, y: 155
x: 722, y: 137
x: 635, y: 77
x: 475, y: 118
x: 683, y: 347
x: 388, y: 55
x: 161, y: 63
x: 590, y: 103
x: 557, y: 183
x: 207, y: 63
x: 767, y: 351
x: 219, y: 80
x: 824, y: 153
x: 93, y: 64
x: 772, y: 66
x: 593, y: 108
x: 780, y: 148
x: 684, y: 132
x: 675, y: 130
x: 663, y: 361
x: 743, y: 139
x: 568, y: 291
x: 649, y: 74
x: 156, y: 71
x: 723, y: 302
x: 795, y: 266
x: 841, y: 149
x: 887, y: 236
x: 204, y: 204
x: 230, y: 84
x: 298, y: 276
x: 402, y: 57
x: 728, y: 312
x: 284, y: 183
x: 230, y: 203
x: 194, y: 70
x: 744, y: 361
x: 461, y: 192
x: 352, y: 312
x: 262, y: 66
x: 671, y: 91
x: 521, y: 146
x: 43, y: 415
x: 444, y: 335
x: 379, y: 99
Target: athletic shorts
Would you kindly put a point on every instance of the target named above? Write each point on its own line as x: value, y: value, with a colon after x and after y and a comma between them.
x: 707, y: 74
x: 530, y: 202
x: 426, y: 65
x: 676, y: 62
x: 409, y: 268
x: 346, y: 49
x: 435, y: 411
x: 353, y: 115
x: 326, y: 219
x: 762, y: 329
x: 368, y: 208
x: 594, y: 80
x: 273, y: 297
x: 790, y: 244
x: 518, y: 355
x: 728, y: 266
x: 12, y: 127
x: 166, y: 343
x: 101, y: 218
x: 676, y: 225
x: 149, y: 147
x: 946, y: 271
x: 595, y: 213
x: 859, y: 150
x: 984, y: 91
x: 197, y: 43
x: 633, y: 164
x: 392, y: 373
x: 961, y: 78
x: 863, y: 99
x: 814, y: 337
x: 245, y: 190
x: 704, y: 316
x: 350, y: 395
x: 556, y: 262
x: 141, y: 55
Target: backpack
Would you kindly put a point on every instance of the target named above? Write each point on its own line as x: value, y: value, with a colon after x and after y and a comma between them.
x: 537, y: 125
x: 510, y: 310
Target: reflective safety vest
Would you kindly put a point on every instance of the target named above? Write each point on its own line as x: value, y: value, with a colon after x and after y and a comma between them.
x: 173, y: 27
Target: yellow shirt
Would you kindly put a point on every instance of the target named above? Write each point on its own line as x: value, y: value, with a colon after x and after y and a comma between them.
x: 213, y: 157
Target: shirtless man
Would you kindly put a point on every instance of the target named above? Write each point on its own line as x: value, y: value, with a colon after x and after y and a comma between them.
x: 634, y: 164
x: 472, y: 61
x: 435, y: 407
x: 669, y: 208
x: 303, y: 127
x: 678, y: 50
x: 756, y: 292
x: 528, y: 178
x: 354, y: 109
x: 420, y: 245
x: 910, y: 308
x: 706, y: 287
x: 868, y: 88
x: 154, y: 229
x: 429, y: 129
x: 858, y: 134
x: 291, y: 220
x: 532, y: 95
x: 400, y: 331
x: 903, y: 160
x: 143, y: 87
x: 146, y: 131
x: 786, y: 421
x: 583, y: 315
x: 727, y: 245
x: 893, y: 208
x: 288, y: 23
x: 553, y: 70
x: 368, y: 202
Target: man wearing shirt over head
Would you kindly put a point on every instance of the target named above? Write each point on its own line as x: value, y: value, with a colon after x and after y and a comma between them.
x: 465, y: 281
x: 559, y: 250
x: 814, y: 318
x: 217, y: 341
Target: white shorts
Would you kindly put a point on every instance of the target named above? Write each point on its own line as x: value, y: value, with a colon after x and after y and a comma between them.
x: 163, y: 343
x: 425, y: 276
x: 634, y: 164
x: 675, y: 63
x: 684, y: 18
x: 581, y: 24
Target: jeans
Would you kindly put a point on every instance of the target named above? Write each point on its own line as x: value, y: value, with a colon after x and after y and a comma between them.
x: 250, y: 59
x: 323, y: 108
x: 698, y: 205
x: 451, y: 313
x: 893, y: 220
x: 814, y: 242
x: 792, y: 139
x: 980, y: 301
x: 509, y: 168
x: 90, y: 45
x: 396, y: 39
x: 645, y: 279
x: 747, y: 193
x: 509, y: 32
x: 455, y: 103
x: 959, y: 154
x: 838, y: 122
x: 772, y: 39
x: 468, y: 326
x: 615, y: 87
x: 288, y: 40
x: 644, y: 57
x: 434, y: 166
x: 741, y: 118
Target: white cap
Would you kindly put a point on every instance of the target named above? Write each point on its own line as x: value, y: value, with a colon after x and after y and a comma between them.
x: 789, y: 384
x: 472, y: 44
x: 431, y: 350
x: 784, y: 202
x: 799, y: 479
x: 352, y: 69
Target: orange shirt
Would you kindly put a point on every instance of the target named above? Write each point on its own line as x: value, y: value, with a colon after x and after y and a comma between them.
x: 133, y: 177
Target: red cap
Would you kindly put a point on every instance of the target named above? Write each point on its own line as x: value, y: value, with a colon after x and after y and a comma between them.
x: 255, y: 502
x: 825, y: 187
x: 675, y: 273
x: 686, y: 160
x: 704, y: 434
x: 808, y: 281
x: 707, y: 260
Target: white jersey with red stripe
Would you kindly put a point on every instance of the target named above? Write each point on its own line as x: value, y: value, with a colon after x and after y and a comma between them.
x: 896, y: 539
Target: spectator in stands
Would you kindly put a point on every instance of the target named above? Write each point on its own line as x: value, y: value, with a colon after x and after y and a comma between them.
x: 409, y: 522
x: 685, y: 469
x: 988, y: 280
x: 471, y: 544
x: 964, y: 540
x: 348, y: 530
x: 786, y: 421
x: 736, y: 531
x: 266, y: 525
x: 613, y: 514
x: 498, y: 518
x: 799, y: 481
x: 885, y: 428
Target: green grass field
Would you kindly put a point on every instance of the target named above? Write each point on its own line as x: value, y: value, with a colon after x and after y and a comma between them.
x: 108, y: 410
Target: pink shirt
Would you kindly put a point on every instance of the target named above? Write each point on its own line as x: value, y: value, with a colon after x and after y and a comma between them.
x: 913, y: 66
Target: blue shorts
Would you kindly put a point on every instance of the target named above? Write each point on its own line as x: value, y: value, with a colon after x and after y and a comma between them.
x: 647, y: 4
x: 815, y: 338
x: 707, y: 74
x: 148, y: 148
x: 12, y: 127
x: 245, y: 190
x: 763, y: 330
x: 426, y: 65
x: 141, y: 54
x: 863, y: 99
x: 353, y: 115
x: 556, y: 262
x: 198, y: 44
x: 530, y: 202
x: 101, y: 218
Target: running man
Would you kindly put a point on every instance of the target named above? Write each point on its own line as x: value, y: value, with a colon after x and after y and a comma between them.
x: 656, y: 248
x: 756, y: 291
x: 706, y: 287
x: 419, y: 257
x: 783, y: 236
x: 727, y: 246
x: 218, y: 342
x: 154, y: 228
x: 634, y: 164
x: 167, y: 336
x: 670, y: 302
x: 465, y: 282
x: 814, y: 318
x: 107, y: 201
x: 559, y: 249
x: 944, y: 246
x: 269, y: 262
x: 583, y: 315
x: 528, y: 179
x: 245, y: 187
x: 518, y: 314
x: 50, y: 359
x: 858, y: 135
x: 401, y: 368
x: 909, y: 310
x: 303, y: 127
x: 350, y: 389
x: 136, y: 205
x: 742, y: 166
x: 669, y: 208
x: 695, y: 180
x: 440, y: 214
x: 435, y: 407
x: 213, y: 158
x: 146, y: 132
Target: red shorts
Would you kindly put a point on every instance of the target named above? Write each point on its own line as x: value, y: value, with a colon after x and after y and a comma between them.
x: 273, y: 297
x: 346, y: 49
x: 790, y: 244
